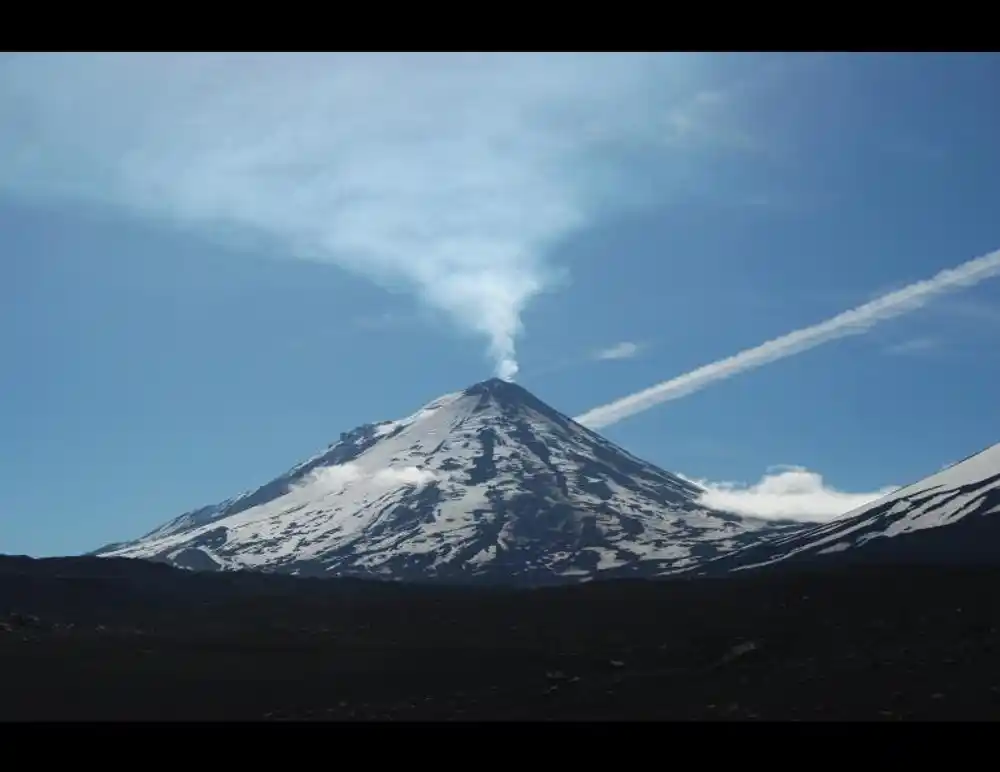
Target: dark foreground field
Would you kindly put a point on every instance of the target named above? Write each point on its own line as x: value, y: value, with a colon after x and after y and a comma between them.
x: 86, y: 639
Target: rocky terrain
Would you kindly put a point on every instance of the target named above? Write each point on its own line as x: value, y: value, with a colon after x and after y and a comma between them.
x: 106, y: 639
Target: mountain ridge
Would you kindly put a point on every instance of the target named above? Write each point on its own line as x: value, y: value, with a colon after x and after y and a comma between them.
x: 939, y: 519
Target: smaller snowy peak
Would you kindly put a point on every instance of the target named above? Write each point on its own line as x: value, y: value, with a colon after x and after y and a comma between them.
x: 952, y: 511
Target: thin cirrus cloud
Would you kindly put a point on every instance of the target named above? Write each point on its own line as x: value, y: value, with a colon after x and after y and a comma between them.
x: 623, y: 350
x: 451, y: 175
x: 856, y: 321
x: 786, y: 493
x: 914, y: 347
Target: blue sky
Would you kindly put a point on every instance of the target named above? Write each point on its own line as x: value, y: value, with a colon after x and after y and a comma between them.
x: 213, y: 265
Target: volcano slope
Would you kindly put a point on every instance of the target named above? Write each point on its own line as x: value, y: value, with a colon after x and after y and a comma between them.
x: 486, y: 485
x: 88, y: 638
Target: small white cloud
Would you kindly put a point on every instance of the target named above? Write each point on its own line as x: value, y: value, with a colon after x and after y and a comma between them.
x: 334, y: 479
x: 623, y: 350
x: 407, y: 475
x: 914, y: 346
x: 786, y: 493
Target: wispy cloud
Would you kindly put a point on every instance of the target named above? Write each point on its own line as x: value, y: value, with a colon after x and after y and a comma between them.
x: 853, y: 322
x: 786, y: 493
x: 914, y: 347
x: 623, y: 350
x: 702, y: 120
x: 385, y: 320
x: 450, y: 175
x: 974, y: 309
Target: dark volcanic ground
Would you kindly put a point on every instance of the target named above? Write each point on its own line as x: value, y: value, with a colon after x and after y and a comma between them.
x: 113, y: 639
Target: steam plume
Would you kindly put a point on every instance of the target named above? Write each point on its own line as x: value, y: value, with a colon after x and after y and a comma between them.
x: 450, y: 175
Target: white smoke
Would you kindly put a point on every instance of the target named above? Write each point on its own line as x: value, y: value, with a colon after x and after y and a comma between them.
x: 451, y: 175
x: 854, y: 322
x: 407, y: 475
x: 331, y: 479
x: 337, y: 478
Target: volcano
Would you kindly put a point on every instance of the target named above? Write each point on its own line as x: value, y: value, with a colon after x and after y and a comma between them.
x: 488, y: 483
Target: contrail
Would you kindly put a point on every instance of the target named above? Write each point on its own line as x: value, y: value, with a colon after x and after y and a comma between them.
x: 854, y: 322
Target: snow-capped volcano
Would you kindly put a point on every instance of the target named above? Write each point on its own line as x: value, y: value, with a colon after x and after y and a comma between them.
x: 951, y: 517
x: 486, y: 482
